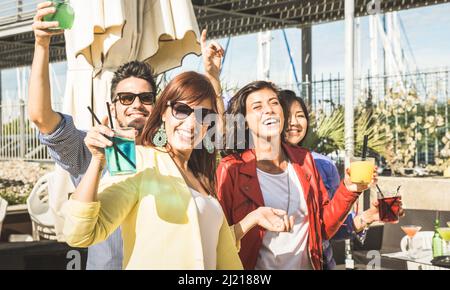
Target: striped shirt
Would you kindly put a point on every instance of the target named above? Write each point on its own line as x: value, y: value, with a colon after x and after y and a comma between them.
x: 66, y: 147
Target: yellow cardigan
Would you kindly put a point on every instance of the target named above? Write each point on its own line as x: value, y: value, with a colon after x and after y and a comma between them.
x: 158, y: 216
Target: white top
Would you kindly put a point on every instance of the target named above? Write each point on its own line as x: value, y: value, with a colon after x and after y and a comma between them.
x: 285, y: 251
x: 210, y: 217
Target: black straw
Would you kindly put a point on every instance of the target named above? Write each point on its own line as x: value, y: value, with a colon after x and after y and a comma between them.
x: 379, y: 190
x: 112, y: 127
x: 364, y: 149
x: 93, y: 115
x: 109, y: 115
x: 398, y: 189
x: 117, y: 149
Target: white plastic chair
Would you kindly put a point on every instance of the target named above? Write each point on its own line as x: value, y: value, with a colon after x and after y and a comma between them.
x: 3, y: 206
x: 38, y: 207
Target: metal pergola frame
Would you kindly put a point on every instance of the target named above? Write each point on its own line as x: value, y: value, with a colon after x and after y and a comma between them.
x: 223, y: 18
x: 235, y: 17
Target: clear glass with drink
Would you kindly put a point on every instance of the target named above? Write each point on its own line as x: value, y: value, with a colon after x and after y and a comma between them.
x: 64, y: 14
x: 413, y: 248
x: 121, y: 158
x: 361, y: 170
x: 389, y: 206
x: 445, y: 235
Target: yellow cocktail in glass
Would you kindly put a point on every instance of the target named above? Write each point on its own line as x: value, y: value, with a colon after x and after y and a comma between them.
x: 361, y: 171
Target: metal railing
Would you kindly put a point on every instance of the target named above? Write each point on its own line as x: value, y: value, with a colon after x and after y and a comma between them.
x: 432, y: 89
x: 18, y: 136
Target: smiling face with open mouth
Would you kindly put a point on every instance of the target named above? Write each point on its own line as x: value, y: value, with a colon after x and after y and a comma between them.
x: 297, y: 124
x: 264, y: 114
x: 136, y: 114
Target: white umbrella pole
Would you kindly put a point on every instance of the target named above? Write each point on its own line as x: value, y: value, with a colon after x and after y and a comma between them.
x: 349, y: 120
x: 349, y: 78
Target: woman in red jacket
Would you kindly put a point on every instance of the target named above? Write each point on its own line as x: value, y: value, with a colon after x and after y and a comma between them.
x: 274, y: 174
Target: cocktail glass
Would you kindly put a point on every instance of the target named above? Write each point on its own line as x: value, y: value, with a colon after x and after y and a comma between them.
x: 361, y: 171
x: 389, y: 206
x: 64, y: 14
x: 411, y: 231
x: 118, y: 164
x: 445, y: 235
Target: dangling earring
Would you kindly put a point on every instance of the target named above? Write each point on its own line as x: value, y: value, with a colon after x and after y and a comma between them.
x: 208, y: 145
x: 160, y: 138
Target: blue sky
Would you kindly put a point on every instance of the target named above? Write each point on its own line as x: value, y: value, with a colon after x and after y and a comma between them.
x: 428, y: 31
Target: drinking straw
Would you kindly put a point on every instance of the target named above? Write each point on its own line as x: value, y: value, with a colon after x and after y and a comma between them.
x: 398, y: 188
x: 109, y: 115
x: 379, y: 190
x: 114, y: 144
x: 112, y: 127
x: 364, y: 149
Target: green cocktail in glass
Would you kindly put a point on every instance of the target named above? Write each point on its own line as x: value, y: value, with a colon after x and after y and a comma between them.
x: 123, y: 162
x: 64, y: 14
x: 445, y: 235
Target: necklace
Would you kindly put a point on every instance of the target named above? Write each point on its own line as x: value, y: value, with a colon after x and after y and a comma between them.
x: 289, y: 190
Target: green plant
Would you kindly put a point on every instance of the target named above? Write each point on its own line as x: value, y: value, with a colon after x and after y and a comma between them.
x: 328, y: 135
x: 12, y: 197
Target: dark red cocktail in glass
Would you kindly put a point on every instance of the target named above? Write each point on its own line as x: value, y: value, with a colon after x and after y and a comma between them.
x: 389, y: 208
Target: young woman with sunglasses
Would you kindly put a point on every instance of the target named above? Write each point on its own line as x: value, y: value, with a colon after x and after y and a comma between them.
x: 262, y: 170
x: 167, y: 210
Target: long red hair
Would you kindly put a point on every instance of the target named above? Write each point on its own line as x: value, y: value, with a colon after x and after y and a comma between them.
x: 192, y: 88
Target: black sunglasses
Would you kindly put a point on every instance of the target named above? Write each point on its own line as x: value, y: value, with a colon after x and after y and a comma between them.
x: 126, y: 99
x: 181, y: 111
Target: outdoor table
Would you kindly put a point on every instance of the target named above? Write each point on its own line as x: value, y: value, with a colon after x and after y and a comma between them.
x: 423, y: 262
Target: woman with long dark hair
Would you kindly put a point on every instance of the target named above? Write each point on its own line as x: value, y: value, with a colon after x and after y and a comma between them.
x: 297, y: 128
x: 167, y: 210
x: 262, y: 170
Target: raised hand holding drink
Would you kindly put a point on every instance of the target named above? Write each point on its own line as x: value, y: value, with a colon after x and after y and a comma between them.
x: 361, y: 171
x: 64, y: 14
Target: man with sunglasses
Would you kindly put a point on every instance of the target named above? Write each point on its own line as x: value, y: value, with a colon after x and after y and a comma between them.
x: 133, y: 93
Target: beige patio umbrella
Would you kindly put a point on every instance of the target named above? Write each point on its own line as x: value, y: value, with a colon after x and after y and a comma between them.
x: 109, y: 33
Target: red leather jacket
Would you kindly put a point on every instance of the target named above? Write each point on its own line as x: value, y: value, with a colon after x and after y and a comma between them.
x: 239, y: 193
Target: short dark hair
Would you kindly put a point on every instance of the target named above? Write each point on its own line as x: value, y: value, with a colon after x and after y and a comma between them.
x: 287, y: 98
x: 137, y: 69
